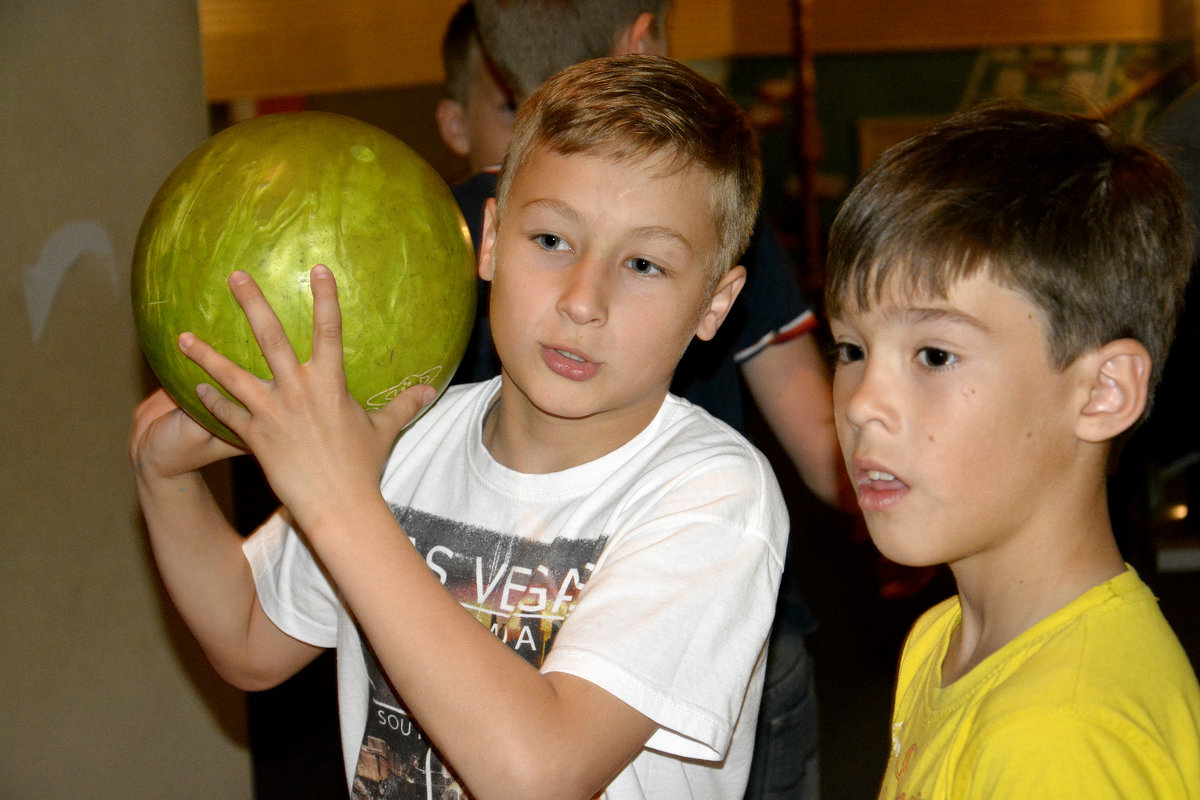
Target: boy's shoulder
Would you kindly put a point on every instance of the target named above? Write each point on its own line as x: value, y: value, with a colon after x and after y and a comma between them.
x: 1112, y: 635
x: 681, y: 425
x: 1107, y: 659
x: 1095, y: 697
x: 1105, y: 684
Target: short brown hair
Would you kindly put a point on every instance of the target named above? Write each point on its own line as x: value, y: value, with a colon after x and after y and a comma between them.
x: 531, y: 40
x: 460, y: 47
x: 1094, y: 230
x: 632, y: 107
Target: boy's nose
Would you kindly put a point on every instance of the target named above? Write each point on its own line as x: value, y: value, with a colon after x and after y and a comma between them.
x: 862, y: 393
x: 584, y: 298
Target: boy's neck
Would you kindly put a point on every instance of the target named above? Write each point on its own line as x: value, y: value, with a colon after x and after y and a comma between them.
x: 1003, y: 596
x: 525, y: 439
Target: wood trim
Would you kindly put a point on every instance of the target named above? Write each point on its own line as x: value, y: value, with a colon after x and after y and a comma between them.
x: 842, y: 26
x: 265, y: 48
x: 271, y: 48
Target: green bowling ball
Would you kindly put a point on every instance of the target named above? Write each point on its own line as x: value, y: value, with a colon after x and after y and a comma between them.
x: 276, y: 195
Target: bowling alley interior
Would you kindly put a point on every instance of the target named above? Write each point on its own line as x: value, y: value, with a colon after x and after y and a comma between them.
x: 108, y: 669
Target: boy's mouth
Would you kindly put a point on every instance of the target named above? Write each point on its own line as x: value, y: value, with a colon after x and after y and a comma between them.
x: 569, y: 355
x: 568, y: 364
x: 878, y: 489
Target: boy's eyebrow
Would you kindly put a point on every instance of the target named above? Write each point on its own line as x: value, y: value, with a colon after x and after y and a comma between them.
x: 932, y: 314
x: 557, y: 206
x: 645, y: 232
x: 661, y: 232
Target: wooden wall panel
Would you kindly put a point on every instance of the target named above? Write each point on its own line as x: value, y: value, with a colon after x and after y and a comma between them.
x: 263, y: 48
x: 841, y: 26
x: 266, y: 48
x: 700, y: 29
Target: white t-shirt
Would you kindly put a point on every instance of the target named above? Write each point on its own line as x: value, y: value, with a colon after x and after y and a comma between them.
x: 651, y: 572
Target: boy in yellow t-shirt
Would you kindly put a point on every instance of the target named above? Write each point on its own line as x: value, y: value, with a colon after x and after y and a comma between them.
x: 1002, y: 292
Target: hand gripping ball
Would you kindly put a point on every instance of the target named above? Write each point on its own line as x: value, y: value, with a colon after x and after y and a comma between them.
x: 275, y: 196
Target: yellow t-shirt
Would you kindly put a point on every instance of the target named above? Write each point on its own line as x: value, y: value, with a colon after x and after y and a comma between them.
x: 1095, y: 701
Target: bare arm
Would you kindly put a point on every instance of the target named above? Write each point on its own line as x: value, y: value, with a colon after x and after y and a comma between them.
x: 486, y: 709
x: 790, y: 384
x: 199, y: 554
x: 476, y: 699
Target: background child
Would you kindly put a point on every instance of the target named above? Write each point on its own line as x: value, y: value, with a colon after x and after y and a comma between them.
x: 622, y: 546
x: 1002, y: 292
x: 475, y: 121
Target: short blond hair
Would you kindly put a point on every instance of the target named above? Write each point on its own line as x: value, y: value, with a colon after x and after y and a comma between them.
x: 634, y: 107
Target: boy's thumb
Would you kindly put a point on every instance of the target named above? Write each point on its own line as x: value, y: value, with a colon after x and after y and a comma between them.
x: 426, y: 394
x: 405, y: 408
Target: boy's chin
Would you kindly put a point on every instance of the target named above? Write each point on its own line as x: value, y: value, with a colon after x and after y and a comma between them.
x: 896, y: 581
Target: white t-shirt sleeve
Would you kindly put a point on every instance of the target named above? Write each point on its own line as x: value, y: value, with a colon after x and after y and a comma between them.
x: 674, y: 619
x: 292, y: 589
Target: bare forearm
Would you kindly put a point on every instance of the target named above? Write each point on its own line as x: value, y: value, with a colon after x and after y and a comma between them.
x: 199, y: 557
x: 477, y: 700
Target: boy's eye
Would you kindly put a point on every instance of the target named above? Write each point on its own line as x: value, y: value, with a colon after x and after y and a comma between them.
x: 549, y: 241
x: 644, y: 266
x: 935, y: 358
x: 846, y: 352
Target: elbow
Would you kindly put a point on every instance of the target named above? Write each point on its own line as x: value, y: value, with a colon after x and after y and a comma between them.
x: 260, y: 658
x: 529, y: 774
x: 250, y: 682
x: 246, y: 675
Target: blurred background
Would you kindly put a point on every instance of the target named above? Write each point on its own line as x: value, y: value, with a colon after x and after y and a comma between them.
x: 102, y: 692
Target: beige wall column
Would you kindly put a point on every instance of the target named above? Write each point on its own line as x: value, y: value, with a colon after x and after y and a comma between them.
x: 101, y: 693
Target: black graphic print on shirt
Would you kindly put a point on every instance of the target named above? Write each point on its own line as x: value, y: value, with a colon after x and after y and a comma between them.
x: 522, y: 590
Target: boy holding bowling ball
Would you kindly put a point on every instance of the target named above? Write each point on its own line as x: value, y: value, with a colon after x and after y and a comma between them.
x: 557, y: 583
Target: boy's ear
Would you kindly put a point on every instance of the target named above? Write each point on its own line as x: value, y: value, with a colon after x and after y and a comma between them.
x: 487, y: 241
x: 1117, y: 378
x: 640, y: 39
x: 452, y: 125
x: 720, y: 303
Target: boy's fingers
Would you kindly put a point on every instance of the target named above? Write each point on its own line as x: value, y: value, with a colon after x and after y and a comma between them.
x: 327, y: 317
x: 158, y: 403
x: 232, y: 377
x: 268, y: 331
x: 227, y: 412
x: 398, y: 413
x: 210, y: 447
x: 191, y: 445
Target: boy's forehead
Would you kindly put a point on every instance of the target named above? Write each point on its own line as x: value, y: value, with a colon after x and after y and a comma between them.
x: 639, y: 169
x: 897, y: 290
x: 658, y: 162
x: 898, y: 280
x: 902, y: 295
